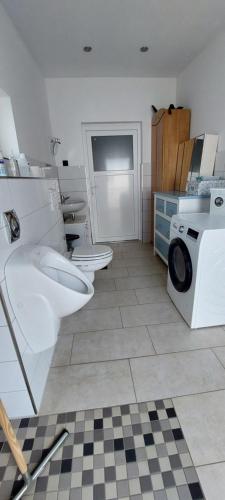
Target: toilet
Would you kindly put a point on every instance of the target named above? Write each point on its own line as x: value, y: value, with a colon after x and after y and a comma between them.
x: 91, y: 258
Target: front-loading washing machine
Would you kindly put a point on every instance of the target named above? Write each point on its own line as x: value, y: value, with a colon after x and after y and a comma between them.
x: 196, y: 268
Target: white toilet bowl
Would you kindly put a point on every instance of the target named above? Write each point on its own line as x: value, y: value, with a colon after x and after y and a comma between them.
x: 91, y: 258
x: 43, y: 287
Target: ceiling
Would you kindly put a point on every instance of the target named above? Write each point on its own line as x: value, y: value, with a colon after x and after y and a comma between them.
x: 56, y: 30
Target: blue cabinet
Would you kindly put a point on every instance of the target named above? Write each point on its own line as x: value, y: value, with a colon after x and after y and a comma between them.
x: 171, y: 208
x: 160, y: 205
x: 162, y: 246
x: 166, y: 205
x: 162, y: 226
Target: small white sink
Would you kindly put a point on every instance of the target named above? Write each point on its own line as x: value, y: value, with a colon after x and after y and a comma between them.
x: 73, y: 206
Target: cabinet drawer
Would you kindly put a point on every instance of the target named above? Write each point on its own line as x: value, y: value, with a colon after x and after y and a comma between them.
x: 162, y: 225
x: 161, y: 246
x: 171, y: 208
x: 160, y: 205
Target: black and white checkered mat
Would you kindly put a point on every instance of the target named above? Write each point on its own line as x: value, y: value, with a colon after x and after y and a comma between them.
x: 135, y: 451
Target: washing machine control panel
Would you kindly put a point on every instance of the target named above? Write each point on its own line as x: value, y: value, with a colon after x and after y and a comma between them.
x: 191, y: 232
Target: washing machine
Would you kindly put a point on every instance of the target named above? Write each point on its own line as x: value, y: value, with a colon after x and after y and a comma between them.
x: 196, y: 268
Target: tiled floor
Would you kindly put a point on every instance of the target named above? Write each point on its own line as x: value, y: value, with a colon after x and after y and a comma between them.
x: 135, y: 451
x: 129, y: 345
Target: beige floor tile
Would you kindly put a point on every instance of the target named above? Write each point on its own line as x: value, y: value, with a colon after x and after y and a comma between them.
x: 133, y: 282
x: 132, y: 261
x: 111, y: 344
x: 212, y: 478
x: 153, y: 295
x: 179, y: 337
x: 146, y: 314
x: 146, y: 270
x: 112, y: 299
x: 170, y: 375
x: 111, y: 273
x: 95, y: 385
x: 91, y: 320
x: 104, y: 285
x: 220, y: 353
x: 63, y: 350
x: 202, y: 418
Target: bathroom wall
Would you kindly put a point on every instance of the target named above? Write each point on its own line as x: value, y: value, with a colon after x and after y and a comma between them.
x: 76, y: 100
x: 36, y: 202
x: 72, y: 182
x: 22, y: 81
x: 201, y: 86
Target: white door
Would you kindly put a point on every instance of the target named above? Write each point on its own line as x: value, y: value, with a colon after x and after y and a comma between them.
x: 114, y: 181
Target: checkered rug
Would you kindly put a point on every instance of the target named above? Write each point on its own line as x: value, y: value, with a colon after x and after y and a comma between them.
x: 135, y: 451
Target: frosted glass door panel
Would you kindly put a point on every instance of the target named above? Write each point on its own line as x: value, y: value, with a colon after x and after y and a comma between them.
x: 112, y: 152
x: 115, y: 206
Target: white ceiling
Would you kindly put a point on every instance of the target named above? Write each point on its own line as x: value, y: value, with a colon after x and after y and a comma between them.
x: 56, y: 30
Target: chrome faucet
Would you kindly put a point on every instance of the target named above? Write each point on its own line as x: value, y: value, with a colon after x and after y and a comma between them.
x: 64, y: 198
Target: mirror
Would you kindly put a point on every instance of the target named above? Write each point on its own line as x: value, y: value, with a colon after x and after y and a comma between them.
x: 203, y: 156
x: 196, y: 158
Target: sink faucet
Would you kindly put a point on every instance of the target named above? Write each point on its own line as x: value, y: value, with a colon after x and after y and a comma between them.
x: 64, y: 198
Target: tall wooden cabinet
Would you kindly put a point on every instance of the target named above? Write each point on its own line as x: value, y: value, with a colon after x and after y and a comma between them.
x: 168, y: 130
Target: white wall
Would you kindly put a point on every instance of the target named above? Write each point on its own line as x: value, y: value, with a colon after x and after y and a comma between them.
x: 21, y: 80
x: 201, y: 86
x: 8, y: 137
x: 41, y: 222
x: 76, y: 100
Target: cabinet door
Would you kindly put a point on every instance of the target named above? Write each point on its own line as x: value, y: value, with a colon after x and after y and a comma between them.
x: 176, y: 130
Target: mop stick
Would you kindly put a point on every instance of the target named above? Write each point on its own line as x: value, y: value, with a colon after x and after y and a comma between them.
x: 18, y: 455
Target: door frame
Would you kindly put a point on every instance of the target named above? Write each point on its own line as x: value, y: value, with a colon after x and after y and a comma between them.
x: 88, y: 127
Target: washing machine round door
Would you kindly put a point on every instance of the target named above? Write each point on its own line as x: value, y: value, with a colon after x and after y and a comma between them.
x: 179, y: 264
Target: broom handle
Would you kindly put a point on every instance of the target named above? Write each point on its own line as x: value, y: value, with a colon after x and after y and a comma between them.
x: 12, y: 440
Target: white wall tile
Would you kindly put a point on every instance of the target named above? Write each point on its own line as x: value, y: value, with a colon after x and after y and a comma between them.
x: 7, y: 349
x: 147, y: 181
x: 37, y: 205
x: 146, y: 237
x: 77, y: 185
x: 146, y: 205
x: 77, y: 172
x: 7, y: 301
x: 146, y: 216
x: 55, y: 238
x: 28, y: 195
x: 146, y: 168
x: 11, y: 378
x: 5, y: 199
x: 2, y: 317
x: 17, y: 404
x: 146, y: 226
x: 21, y: 342
x: 146, y: 193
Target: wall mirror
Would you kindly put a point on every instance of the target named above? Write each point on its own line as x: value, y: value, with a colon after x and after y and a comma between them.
x: 203, y: 156
x: 195, y: 157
